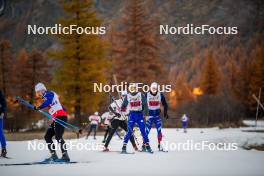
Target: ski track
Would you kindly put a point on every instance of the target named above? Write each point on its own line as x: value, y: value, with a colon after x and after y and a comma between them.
x: 239, y: 162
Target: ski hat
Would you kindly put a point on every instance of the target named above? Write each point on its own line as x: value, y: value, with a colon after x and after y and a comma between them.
x: 39, y: 87
x: 96, y: 113
x: 132, y: 87
x: 124, y: 93
x: 154, y: 87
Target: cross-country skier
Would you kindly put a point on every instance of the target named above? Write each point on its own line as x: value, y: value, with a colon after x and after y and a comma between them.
x: 184, y: 120
x: 119, y: 120
x: 2, y: 113
x: 136, y: 102
x: 154, y: 100
x: 94, y: 119
x: 51, y: 101
x: 106, y: 117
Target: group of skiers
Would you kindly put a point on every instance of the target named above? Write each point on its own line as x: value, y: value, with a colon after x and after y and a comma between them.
x: 131, y: 109
x: 125, y: 112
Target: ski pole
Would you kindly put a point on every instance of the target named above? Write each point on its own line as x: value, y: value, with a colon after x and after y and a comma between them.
x: 47, y: 115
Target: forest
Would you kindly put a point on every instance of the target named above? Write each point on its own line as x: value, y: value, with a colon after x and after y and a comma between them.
x: 213, y: 77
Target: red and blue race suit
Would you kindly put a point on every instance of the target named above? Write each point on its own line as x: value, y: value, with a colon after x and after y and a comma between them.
x: 136, y: 103
x: 51, y: 100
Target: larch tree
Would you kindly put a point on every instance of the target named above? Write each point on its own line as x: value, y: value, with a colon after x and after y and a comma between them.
x: 136, y: 50
x: 6, y: 61
x: 81, y: 60
x: 210, y: 81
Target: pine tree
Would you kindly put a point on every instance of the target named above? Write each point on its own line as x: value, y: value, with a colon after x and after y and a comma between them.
x: 81, y: 58
x: 210, y: 80
x: 6, y: 60
x: 136, y: 51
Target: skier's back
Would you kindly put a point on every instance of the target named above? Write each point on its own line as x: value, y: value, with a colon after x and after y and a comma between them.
x: 94, y: 119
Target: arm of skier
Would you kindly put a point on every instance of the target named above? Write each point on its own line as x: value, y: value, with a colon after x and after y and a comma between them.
x: 48, y: 97
x: 165, y: 105
x: 3, y: 105
x: 144, y: 105
x: 124, y: 104
x: 113, y: 111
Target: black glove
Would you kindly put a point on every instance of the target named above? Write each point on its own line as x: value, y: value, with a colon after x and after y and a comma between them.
x: 166, y: 116
x: 36, y: 108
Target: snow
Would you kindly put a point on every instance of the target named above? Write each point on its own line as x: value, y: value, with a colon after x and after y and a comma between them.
x: 177, y: 162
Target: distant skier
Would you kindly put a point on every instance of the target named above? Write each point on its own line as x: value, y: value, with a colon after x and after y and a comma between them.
x: 119, y: 120
x: 52, y: 102
x: 106, y: 117
x: 136, y: 102
x: 2, y: 113
x: 154, y: 100
x: 94, y: 122
x: 184, y: 120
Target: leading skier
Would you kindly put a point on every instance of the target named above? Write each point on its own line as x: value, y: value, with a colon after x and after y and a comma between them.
x: 51, y: 101
x: 136, y: 102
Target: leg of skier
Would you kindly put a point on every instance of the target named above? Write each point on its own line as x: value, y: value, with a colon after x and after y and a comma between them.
x: 107, y: 130
x: 158, y: 125
x: 131, y: 124
x: 2, y: 139
x: 149, y: 125
x: 48, y: 138
x: 148, y: 128
x: 59, y: 131
x: 123, y: 125
x: 89, y: 132
x: 142, y: 128
x: 95, y: 129
x: 114, y: 126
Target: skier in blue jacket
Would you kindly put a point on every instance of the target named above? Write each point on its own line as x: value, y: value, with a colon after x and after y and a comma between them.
x: 136, y: 102
x: 154, y: 101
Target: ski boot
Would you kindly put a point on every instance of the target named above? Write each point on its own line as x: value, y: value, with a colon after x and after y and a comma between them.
x: 52, y: 158
x: 124, y: 149
x: 3, y: 154
x: 143, y: 148
x: 65, y: 157
x: 94, y: 138
x: 105, y: 149
x: 103, y: 141
x: 148, y: 149
x: 160, y: 148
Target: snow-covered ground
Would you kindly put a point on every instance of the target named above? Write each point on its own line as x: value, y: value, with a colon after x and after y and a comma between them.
x: 175, y: 162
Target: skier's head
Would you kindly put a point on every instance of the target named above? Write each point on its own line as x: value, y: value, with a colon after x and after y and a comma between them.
x: 154, y: 87
x: 132, y: 87
x: 96, y: 113
x: 124, y: 94
x: 40, y: 89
